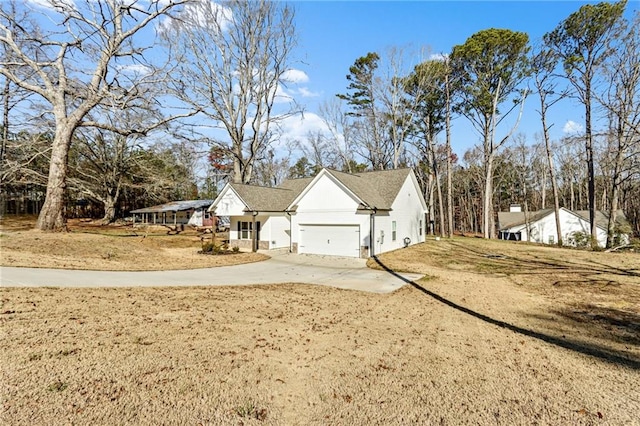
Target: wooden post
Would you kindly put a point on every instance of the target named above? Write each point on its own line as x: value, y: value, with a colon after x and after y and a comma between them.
x: 214, y: 222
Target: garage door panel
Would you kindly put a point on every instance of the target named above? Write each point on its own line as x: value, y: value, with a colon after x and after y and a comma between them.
x: 336, y: 240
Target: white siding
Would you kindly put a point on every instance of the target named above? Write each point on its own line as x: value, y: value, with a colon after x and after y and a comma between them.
x: 326, y: 203
x: 407, y: 211
x: 544, y: 230
x: 278, y: 231
x: 230, y: 204
x: 265, y: 234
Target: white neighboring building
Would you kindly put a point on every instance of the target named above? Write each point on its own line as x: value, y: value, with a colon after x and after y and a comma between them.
x: 334, y: 213
x: 192, y: 212
x: 540, y: 226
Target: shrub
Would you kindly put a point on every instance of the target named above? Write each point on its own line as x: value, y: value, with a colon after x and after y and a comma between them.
x: 207, y: 247
x: 579, y: 239
x: 235, y: 249
x: 211, y: 248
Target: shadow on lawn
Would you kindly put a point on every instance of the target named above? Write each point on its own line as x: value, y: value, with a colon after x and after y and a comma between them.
x: 601, y: 353
x: 536, y: 266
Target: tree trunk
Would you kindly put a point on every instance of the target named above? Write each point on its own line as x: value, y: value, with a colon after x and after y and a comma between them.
x: 552, y: 176
x: 487, y: 198
x: 110, y: 202
x: 436, y: 174
x: 432, y: 211
x: 109, y: 211
x: 591, y: 170
x: 615, y: 189
x: 52, y: 217
x: 449, y: 166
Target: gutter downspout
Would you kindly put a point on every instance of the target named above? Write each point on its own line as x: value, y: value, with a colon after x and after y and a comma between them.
x: 372, y: 229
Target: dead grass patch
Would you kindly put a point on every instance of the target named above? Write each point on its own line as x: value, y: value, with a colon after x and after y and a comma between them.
x: 89, y: 245
x: 291, y: 355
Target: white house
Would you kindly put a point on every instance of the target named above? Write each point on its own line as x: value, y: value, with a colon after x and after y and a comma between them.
x: 540, y: 226
x: 333, y: 213
x: 192, y: 212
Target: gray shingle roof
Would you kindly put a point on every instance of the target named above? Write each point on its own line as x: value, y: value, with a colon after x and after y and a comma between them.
x: 602, y: 218
x: 265, y: 199
x: 175, y: 206
x: 377, y: 189
x: 511, y: 219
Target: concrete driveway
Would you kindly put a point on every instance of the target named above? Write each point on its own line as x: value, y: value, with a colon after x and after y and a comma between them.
x: 332, y: 271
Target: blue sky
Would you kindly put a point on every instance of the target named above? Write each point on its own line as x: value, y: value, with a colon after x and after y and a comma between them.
x: 333, y: 34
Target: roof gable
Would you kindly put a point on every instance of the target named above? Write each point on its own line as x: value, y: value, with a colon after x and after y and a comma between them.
x: 373, y: 190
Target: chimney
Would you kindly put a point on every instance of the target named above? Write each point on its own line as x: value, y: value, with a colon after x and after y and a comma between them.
x: 515, y: 208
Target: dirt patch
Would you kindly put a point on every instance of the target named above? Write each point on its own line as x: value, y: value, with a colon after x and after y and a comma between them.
x: 89, y: 245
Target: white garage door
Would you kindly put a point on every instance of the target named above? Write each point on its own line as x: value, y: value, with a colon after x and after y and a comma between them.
x: 336, y: 240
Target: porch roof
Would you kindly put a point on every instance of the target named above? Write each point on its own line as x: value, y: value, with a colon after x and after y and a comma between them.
x: 175, y: 206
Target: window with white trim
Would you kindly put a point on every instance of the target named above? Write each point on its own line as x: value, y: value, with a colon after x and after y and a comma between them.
x: 394, y: 234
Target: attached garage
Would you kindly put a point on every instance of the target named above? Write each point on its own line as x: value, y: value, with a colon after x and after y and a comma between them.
x: 335, y: 240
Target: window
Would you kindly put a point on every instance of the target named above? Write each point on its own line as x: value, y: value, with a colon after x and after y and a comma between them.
x: 245, y: 230
x: 551, y: 239
x: 420, y: 228
x: 394, y: 234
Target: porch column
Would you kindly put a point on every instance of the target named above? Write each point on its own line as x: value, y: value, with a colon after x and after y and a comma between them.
x: 254, y: 234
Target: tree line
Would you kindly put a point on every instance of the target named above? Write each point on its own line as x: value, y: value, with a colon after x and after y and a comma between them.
x: 122, y: 100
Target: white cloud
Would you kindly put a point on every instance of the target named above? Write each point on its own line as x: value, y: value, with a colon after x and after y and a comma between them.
x: 282, y: 96
x: 297, y: 127
x: 306, y: 93
x: 571, y: 127
x: 203, y: 14
x: 295, y: 76
x: 137, y: 69
x: 438, y: 56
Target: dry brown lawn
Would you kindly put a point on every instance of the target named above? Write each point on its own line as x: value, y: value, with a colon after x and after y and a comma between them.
x: 497, y: 333
x: 90, y: 245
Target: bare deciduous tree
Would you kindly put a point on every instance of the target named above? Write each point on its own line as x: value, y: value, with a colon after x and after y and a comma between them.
x: 583, y: 41
x: 233, y: 58
x: 544, y: 61
x: 622, y: 103
x: 84, y: 61
x: 340, y: 131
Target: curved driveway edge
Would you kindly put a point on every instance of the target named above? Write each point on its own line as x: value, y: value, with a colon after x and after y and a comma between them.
x: 332, y: 271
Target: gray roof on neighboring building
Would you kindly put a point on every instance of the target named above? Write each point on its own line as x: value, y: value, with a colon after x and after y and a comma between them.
x: 602, y: 218
x: 175, y: 206
x: 512, y: 219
